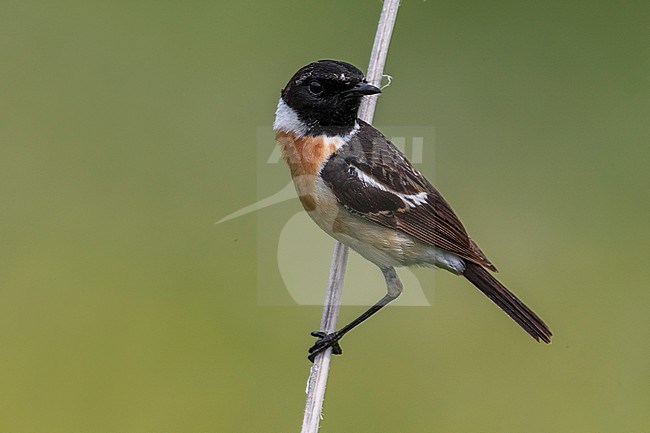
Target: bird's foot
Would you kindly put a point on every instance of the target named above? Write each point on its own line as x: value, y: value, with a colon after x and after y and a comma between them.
x: 324, y: 341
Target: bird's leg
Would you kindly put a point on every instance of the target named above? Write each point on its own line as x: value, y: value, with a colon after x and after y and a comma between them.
x: 393, y: 287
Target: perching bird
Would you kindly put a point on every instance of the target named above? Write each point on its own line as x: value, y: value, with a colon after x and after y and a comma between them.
x: 361, y: 190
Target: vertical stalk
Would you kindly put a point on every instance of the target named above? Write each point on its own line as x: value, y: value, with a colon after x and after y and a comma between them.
x: 320, y: 368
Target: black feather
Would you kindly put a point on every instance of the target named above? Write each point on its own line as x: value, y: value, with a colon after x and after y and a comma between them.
x: 507, y: 301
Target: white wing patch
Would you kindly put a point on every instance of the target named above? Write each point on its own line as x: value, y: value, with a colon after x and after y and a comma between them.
x: 411, y: 200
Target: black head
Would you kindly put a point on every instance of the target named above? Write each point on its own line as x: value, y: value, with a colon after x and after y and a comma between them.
x: 326, y: 96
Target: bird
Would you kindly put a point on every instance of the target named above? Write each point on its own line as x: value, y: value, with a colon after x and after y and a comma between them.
x: 362, y: 191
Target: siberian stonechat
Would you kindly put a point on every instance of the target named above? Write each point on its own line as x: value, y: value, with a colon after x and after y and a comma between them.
x: 361, y: 190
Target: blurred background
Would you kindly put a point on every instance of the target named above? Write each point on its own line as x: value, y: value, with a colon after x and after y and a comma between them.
x: 127, y: 129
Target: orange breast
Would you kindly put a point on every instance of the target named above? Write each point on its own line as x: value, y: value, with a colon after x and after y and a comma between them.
x: 306, y: 154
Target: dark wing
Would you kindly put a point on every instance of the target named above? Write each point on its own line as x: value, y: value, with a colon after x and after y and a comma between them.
x: 371, y: 178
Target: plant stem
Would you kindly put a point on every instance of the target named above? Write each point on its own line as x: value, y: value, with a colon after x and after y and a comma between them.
x: 320, y: 368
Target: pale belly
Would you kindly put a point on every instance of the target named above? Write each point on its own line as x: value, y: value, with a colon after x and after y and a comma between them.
x: 380, y: 245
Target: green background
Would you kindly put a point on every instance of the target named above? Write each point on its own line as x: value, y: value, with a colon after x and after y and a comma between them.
x: 128, y: 128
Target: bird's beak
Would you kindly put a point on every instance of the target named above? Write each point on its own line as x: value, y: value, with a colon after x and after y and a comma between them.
x: 364, y: 89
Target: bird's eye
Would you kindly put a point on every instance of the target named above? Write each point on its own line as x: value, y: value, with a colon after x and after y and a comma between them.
x: 315, y: 87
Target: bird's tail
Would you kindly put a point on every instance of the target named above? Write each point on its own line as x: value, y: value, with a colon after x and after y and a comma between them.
x: 507, y: 301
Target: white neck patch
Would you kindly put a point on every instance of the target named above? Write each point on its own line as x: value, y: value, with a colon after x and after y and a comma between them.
x: 286, y: 120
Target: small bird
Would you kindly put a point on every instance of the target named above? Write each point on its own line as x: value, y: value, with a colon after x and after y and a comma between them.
x: 361, y: 190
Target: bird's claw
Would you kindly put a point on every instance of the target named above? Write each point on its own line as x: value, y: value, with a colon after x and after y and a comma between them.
x: 324, y: 341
